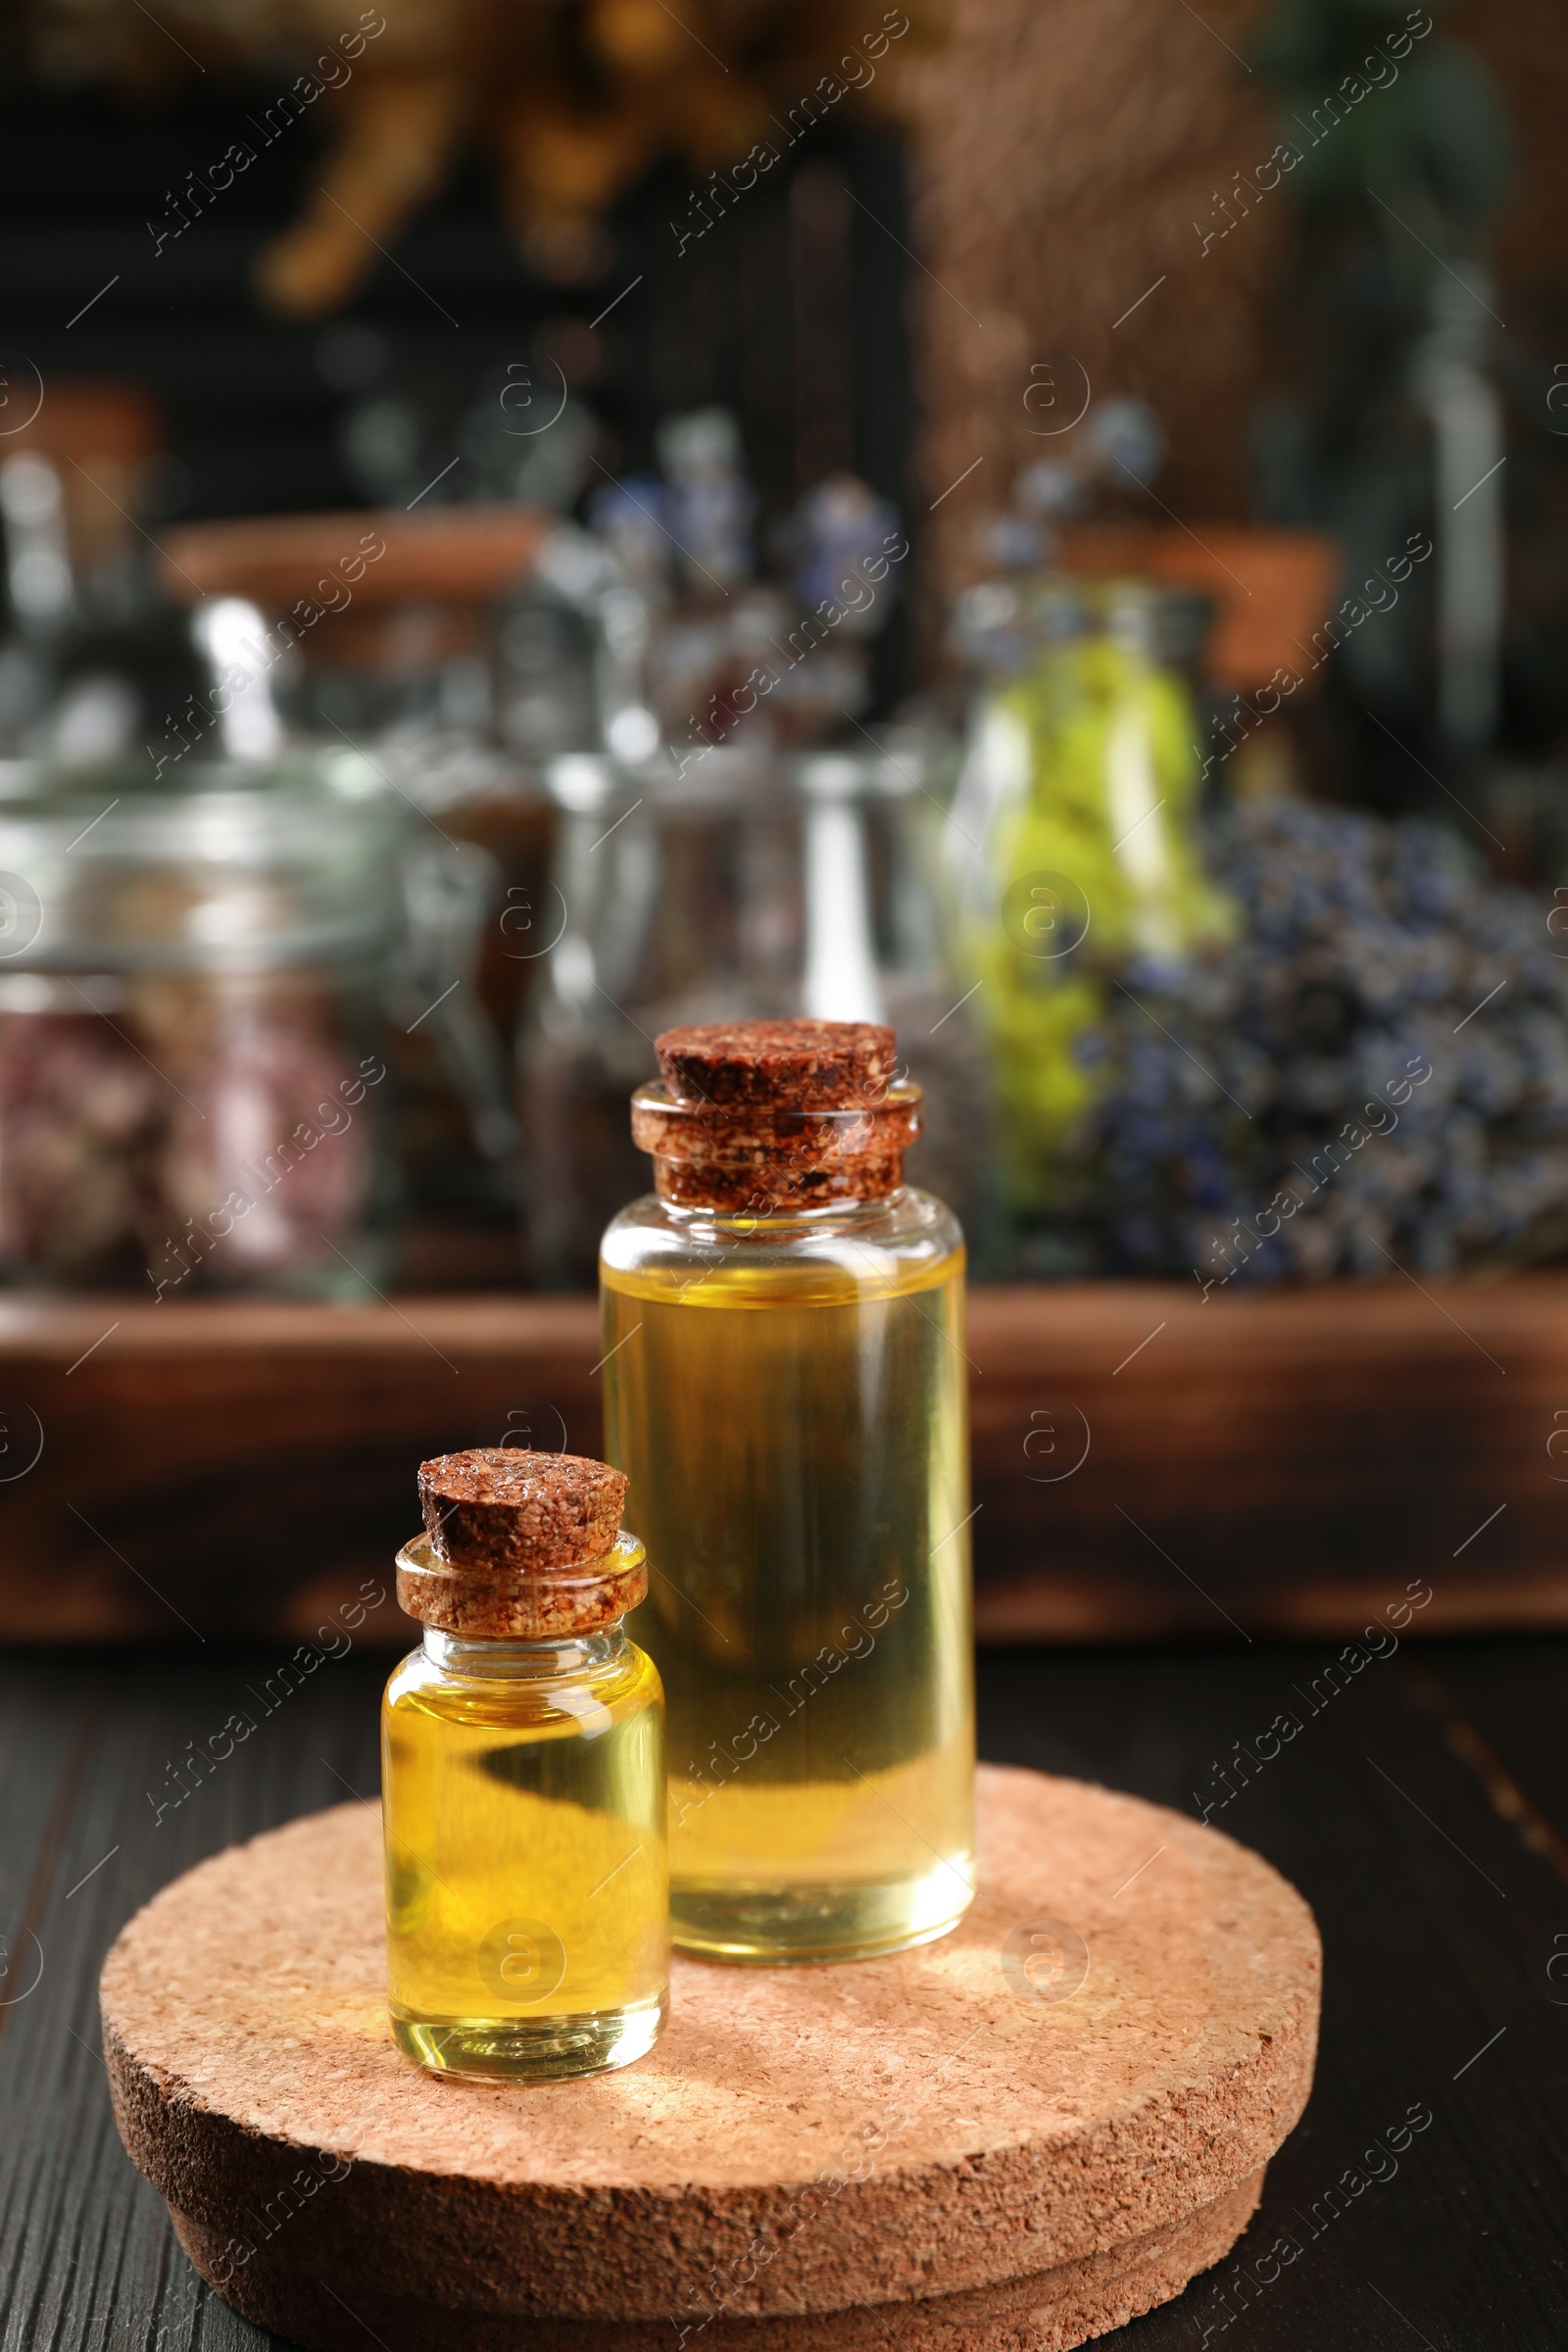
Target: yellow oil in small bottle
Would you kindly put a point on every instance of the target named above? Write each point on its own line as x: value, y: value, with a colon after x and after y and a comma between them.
x: 788, y: 1399
x: 524, y: 1790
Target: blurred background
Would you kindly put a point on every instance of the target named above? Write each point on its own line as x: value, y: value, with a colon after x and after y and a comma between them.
x: 523, y: 524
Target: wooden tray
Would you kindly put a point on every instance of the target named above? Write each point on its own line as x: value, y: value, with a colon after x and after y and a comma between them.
x: 461, y: 555
x: 1026, y: 2132
x: 1146, y: 1465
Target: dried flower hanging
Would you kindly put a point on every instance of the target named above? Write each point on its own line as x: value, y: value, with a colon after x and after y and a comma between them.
x: 576, y: 99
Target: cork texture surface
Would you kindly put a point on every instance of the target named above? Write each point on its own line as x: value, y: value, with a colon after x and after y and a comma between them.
x: 1046, y: 2311
x: 513, y: 1604
x: 1107, y: 2050
x: 805, y: 1065
x: 501, y: 1507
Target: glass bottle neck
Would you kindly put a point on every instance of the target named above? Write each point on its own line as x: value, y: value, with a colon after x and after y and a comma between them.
x: 492, y: 1661
x: 782, y: 1223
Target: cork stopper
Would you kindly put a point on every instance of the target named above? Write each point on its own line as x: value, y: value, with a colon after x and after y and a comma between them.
x: 767, y: 1116
x: 499, y: 1506
x: 521, y: 1546
x: 796, y: 1066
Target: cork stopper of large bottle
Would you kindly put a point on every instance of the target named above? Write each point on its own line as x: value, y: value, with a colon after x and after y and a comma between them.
x: 764, y: 1116
x: 521, y: 1546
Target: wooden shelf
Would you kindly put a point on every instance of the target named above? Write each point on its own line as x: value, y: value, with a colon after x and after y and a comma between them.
x: 1285, y: 1463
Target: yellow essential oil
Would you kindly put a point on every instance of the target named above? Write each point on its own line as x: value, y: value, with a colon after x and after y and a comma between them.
x: 786, y: 1393
x: 526, y: 1857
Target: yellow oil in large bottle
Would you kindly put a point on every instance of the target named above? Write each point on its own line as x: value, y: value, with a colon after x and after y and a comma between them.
x: 523, y: 1784
x: 795, y: 1434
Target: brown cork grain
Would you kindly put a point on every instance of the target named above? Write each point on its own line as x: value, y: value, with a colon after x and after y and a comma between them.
x: 763, y: 1160
x: 1046, y: 2311
x: 753, y: 1117
x: 1019, y: 2135
x: 808, y: 1066
x: 499, y: 1604
x: 503, y: 1507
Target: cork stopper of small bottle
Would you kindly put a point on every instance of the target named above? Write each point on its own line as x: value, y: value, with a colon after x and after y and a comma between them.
x: 521, y: 1546
x: 774, y: 1115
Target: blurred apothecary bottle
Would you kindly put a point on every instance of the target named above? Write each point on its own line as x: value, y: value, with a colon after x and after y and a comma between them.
x: 192, y: 1079
x: 475, y: 873
x: 737, y: 885
x: 1073, y: 852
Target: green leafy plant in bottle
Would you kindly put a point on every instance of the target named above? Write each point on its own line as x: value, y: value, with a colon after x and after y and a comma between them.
x: 1081, y: 800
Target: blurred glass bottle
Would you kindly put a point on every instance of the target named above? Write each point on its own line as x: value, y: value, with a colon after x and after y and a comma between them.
x: 94, y: 649
x: 192, y: 1028
x: 1073, y: 852
x: 746, y: 887
x: 723, y: 653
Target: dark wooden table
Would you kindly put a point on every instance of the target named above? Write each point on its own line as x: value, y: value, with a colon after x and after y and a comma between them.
x: 1422, y: 1808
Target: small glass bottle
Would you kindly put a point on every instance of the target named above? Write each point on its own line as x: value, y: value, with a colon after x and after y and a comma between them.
x: 785, y: 1388
x: 523, y: 1778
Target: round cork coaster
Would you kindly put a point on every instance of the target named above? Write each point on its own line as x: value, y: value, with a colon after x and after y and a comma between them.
x: 1018, y: 2136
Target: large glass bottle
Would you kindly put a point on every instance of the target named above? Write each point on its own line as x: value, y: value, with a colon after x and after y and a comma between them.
x: 785, y: 1389
x: 522, y: 1779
